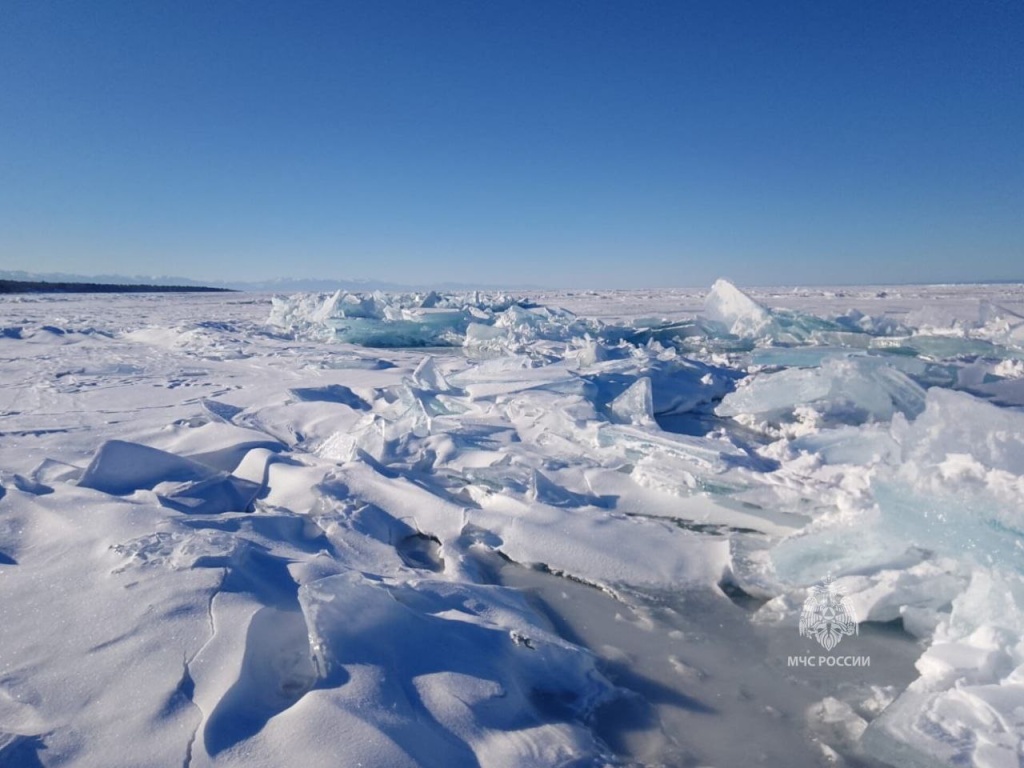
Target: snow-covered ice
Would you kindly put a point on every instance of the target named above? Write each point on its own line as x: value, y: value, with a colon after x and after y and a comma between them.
x: 572, y: 528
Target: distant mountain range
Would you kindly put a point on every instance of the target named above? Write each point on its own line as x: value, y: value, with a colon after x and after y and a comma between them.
x: 278, y: 285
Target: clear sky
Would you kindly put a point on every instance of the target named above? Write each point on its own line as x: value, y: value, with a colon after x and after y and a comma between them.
x: 633, y: 143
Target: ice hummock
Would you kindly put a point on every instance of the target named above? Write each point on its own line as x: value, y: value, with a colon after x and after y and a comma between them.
x: 480, y: 320
x: 730, y: 321
x: 950, y: 481
x: 932, y: 536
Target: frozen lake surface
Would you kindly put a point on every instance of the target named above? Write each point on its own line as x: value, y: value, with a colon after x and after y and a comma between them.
x: 664, y: 528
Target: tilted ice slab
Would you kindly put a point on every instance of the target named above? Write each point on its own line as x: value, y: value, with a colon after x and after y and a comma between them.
x: 122, y: 468
x: 849, y: 390
x: 739, y: 314
x: 730, y: 311
x: 675, y: 384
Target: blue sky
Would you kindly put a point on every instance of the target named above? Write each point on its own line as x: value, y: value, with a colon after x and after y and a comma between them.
x: 624, y: 144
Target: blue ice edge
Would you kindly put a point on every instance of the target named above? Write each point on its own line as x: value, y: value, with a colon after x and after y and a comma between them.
x: 965, y: 526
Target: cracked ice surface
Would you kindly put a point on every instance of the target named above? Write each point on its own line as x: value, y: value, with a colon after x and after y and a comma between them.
x: 484, y: 529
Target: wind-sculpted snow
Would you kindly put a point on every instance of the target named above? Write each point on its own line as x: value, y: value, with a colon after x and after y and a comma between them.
x: 478, y: 529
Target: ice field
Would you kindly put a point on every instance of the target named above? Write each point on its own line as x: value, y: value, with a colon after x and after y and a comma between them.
x: 563, y: 529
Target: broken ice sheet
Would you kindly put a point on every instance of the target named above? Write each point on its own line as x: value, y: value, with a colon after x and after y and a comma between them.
x: 846, y: 390
x: 960, y: 526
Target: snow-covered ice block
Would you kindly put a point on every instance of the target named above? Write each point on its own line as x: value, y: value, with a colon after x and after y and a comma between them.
x: 485, y: 671
x: 957, y: 423
x: 864, y: 445
x: 121, y: 468
x: 151, y: 621
x: 332, y: 393
x: 216, y: 444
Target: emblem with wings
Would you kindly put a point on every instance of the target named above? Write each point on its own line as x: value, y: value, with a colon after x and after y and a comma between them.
x: 827, y: 616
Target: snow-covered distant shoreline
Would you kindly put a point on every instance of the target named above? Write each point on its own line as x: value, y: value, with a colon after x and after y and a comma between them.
x: 575, y: 528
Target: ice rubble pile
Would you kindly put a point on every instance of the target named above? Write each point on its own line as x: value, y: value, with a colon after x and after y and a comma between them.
x: 931, y: 330
x: 842, y: 389
x: 920, y: 516
x: 731, y: 321
x: 422, y: 320
x: 967, y: 707
x: 729, y: 312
